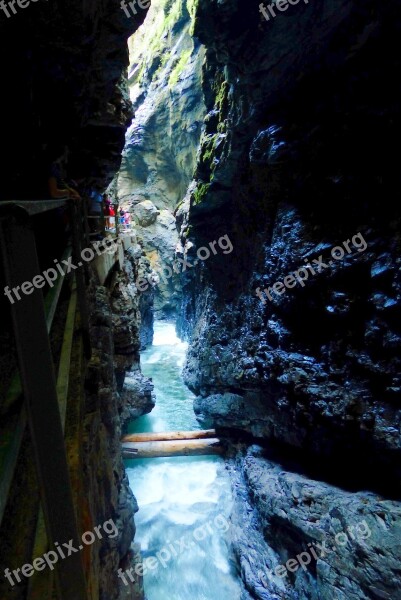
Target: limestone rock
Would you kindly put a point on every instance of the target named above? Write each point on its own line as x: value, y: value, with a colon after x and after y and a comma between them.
x: 161, y: 145
x: 138, y: 396
x: 317, y: 364
x: 107, y: 490
x: 355, y: 537
x: 146, y: 213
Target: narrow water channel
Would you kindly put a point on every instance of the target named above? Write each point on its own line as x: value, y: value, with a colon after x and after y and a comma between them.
x: 184, y: 503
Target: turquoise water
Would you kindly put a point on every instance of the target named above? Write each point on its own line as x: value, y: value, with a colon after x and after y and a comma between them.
x: 163, y: 362
x: 184, y: 503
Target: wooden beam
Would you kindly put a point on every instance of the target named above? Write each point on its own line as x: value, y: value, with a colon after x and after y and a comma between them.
x: 11, y: 438
x: 40, y: 586
x: 75, y: 216
x: 169, y: 435
x: 40, y: 398
x: 171, y: 448
x: 12, y: 432
x: 65, y: 358
x: 53, y: 295
x: 35, y: 207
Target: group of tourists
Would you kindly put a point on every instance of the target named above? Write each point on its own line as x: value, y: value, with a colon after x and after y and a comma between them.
x: 123, y: 216
x: 59, y: 185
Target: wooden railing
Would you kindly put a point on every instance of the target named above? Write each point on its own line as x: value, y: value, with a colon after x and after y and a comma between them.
x: 41, y: 395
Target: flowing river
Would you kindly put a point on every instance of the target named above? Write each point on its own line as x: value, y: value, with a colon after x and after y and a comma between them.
x: 184, y: 503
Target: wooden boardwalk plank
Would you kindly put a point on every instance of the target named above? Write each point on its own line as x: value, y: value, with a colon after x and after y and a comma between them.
x: 10, y: 444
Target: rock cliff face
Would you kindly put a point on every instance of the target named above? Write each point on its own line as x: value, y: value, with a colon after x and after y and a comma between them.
x: 161, y: 144
x: 341, y: 544
x: 296, y: 158
x: 65, y: 73
x: 111, y: 400
x: 292, y: 164
x: 131, y: 331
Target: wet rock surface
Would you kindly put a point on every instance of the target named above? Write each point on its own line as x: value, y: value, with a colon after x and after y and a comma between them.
x: 315, y: 361
x: 288, y: 168
x: 108, y: 494
x: 138, y: 396
x: 132, y: 308
x: 112, y: 399
x: 300, y: 538
x: 146, y: 213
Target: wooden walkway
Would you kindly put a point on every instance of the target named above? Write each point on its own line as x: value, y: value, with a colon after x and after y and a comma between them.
x: 171, y: 443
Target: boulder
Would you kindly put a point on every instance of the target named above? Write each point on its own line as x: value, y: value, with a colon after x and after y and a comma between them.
x: 146, y: 213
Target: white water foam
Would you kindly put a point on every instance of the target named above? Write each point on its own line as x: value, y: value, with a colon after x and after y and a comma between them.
x: 186, y: 498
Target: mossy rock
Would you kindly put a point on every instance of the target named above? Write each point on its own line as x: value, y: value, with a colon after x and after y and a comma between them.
x: 200, y: 193
x: 179, y: 68
x: 209, y: 147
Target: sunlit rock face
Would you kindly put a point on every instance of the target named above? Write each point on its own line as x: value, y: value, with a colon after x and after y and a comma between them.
x: 289, y: 168
x: 161, y: 144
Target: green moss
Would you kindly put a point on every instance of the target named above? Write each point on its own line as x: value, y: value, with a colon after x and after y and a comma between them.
x: 222, y: 98
x: 188, y: 232
x: 209, y: 147
x: 156, y: 41
x: 164, y: 59
x: 212, y: 144
x: 222, y: 127
x: 192, y: 7
x: 173, y: 13
x: 178, y: 69
x: 201, y: 192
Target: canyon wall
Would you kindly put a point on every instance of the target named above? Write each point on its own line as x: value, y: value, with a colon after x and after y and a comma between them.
x: 65, y: 73
x: 296, y: 159
x: 161, y: 144
x: 116, y: 392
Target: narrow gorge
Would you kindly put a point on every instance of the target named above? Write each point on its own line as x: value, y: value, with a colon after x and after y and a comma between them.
x: 226, y: 372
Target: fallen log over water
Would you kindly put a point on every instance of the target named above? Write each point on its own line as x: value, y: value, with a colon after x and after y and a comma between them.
x: 156, y: 449
x: 169, y: 435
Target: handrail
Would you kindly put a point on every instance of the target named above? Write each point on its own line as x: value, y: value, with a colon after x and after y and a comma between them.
x: 12, y: 441
x: 41, y: 585
x: 35, y: 207
x: 39, y: 400
x: 39, y: 384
